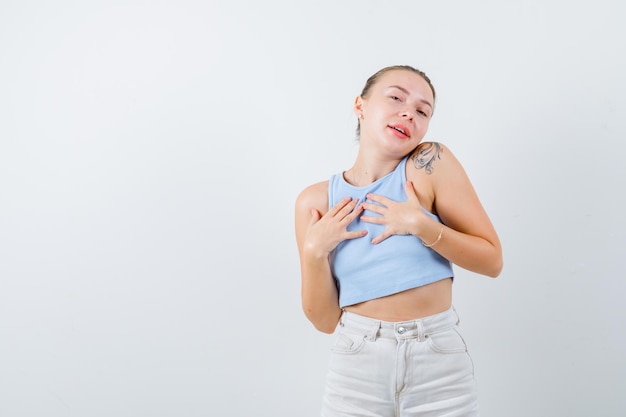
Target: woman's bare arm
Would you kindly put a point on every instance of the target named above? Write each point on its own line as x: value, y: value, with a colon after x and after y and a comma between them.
x: 469, y: 239
x: 318, y: 232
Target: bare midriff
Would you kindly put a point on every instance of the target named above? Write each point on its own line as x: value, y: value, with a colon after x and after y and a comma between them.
x: 411, y: 304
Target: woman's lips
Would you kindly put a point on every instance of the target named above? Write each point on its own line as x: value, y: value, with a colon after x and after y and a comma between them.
x: 401, y: 131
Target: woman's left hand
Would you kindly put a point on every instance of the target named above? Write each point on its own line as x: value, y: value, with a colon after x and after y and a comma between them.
x: 400, y: 218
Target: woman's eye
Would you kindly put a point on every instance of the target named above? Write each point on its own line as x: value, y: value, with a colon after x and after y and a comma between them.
x: 421, y: 112
x: 395, y: 98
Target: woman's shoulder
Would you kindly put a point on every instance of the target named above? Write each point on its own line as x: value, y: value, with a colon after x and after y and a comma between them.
x: 314, y: 196
x: 431, y: 157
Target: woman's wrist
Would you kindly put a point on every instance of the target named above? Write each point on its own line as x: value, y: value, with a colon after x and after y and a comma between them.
x: 434, y: 242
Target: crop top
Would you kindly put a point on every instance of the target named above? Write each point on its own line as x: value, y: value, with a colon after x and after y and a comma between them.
x: 364, y: 271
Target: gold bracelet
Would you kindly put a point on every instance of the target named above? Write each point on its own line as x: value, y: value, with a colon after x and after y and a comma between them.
x: 436, y: 240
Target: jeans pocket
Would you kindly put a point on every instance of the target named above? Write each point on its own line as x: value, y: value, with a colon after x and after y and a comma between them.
x: 448, y: 341
x: 348, y: 343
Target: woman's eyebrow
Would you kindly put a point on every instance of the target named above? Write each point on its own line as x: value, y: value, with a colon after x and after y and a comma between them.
x: 405, y: 91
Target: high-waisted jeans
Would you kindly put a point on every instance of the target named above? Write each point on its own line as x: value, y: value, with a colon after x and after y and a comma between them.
x: 412, y: 368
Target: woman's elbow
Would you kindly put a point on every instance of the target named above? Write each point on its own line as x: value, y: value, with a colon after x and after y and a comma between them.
x: 325, y: 328
x: 495, y: 268
x: 323, y: 324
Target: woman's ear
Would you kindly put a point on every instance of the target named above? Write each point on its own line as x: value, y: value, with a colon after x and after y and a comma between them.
x: 358, y: 107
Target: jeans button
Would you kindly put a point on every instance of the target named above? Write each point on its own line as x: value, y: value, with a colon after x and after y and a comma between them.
x: 401, y: 330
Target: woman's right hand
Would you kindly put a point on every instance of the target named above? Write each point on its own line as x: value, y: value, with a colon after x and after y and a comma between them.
x: 324, y: 233
x: 318, y: 232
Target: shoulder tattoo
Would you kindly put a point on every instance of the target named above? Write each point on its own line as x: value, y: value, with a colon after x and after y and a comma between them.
x: 425, y: 156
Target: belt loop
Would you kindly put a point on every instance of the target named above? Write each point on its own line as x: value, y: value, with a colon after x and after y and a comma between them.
x: 373, y: 333
x: 421, y: 334
x: 458, y: 319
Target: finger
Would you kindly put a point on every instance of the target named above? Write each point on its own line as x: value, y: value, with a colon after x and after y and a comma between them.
x: 339, y: 206
x: 315, y: 216
x: 373, y: 219
x: 375, y: 208
x: 409, y: 189
x: 384, y: 235
x: 347, y: 210
x: 349, y: 218
x: 355, y: 234
x: 379, y: 199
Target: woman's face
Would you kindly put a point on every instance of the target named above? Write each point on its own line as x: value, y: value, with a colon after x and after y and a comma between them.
x: 396, y: 112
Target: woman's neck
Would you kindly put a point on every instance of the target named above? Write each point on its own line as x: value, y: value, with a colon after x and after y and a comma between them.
x: 365, y: 172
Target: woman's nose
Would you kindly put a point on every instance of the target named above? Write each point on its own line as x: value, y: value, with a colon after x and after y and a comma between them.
x: 407, y: 114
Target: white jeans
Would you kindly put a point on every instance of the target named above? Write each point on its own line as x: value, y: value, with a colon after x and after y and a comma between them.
x: 413, y: 368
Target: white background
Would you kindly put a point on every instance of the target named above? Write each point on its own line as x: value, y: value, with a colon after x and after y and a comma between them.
x: 151, y: 153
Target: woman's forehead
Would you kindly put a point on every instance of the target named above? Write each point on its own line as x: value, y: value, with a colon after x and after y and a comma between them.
x: 406, y: 81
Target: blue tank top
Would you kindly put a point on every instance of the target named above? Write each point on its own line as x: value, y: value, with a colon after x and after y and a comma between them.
x: 364, y: 271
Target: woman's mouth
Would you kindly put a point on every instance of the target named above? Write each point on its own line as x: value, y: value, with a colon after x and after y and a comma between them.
x: 401, y: 131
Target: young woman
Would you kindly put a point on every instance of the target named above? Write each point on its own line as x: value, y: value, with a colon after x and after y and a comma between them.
x: 377, y: 243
